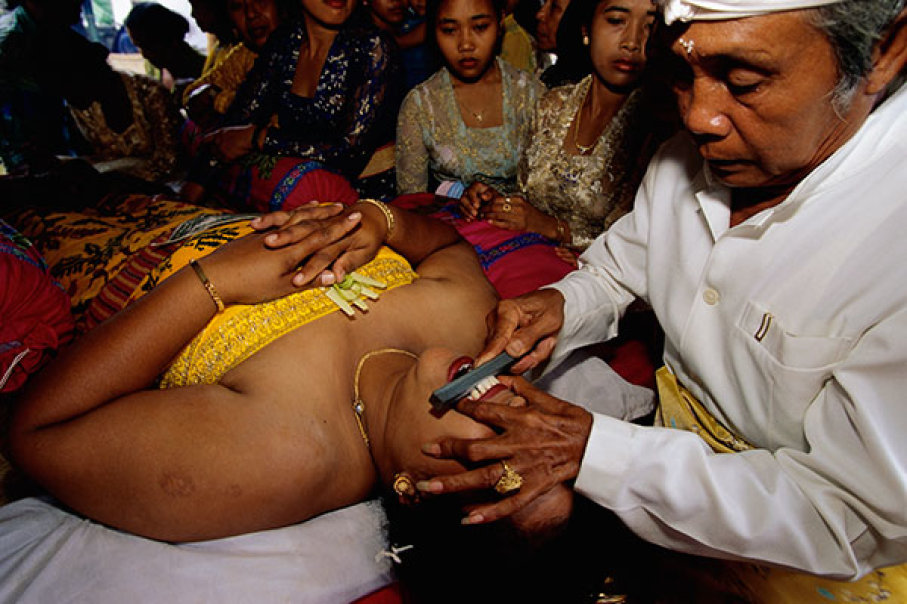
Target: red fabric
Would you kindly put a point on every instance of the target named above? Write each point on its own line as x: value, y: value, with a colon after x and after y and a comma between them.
x: 34, y: 312
x: 389, y: 594
x: 289, y: 183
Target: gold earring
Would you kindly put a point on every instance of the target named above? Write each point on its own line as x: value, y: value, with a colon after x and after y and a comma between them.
x: 585, y: 40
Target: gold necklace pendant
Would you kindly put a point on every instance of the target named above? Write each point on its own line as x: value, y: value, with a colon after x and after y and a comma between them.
x: 583, y: 149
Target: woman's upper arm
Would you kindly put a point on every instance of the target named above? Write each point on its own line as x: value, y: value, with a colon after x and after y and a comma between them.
x: 148, y: 459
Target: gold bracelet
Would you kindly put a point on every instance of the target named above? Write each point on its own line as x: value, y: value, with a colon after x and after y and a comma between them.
x: 209, y: 287
x: 388, y: 215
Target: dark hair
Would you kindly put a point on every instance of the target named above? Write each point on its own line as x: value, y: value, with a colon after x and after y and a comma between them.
x: 854, y: 27
x: 441, y: 561
x: 432, y: 7
x: 223, y: 28
x: 573, y: 60
x: 157, y: 21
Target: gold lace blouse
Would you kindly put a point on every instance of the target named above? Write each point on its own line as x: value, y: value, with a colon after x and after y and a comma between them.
x: 589, y: 191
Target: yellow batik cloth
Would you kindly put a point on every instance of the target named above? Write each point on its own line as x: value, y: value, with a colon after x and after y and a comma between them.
x: 242, y: 330
x: 678, y: 408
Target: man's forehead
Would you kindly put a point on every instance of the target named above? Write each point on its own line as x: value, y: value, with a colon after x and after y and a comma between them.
x: 718, y: 10
x: 756, y: 40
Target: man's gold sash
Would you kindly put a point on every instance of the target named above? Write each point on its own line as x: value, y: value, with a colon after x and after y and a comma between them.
x: 678, y: 408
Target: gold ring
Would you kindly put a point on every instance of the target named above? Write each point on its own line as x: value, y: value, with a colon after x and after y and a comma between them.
x: 509, y: 481
x: 405, y: 488
x: 506, y: 207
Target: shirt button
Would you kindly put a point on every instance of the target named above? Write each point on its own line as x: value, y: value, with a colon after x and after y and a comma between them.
x: 710, y: 296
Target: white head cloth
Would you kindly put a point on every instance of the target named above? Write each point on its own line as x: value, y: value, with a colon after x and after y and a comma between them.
x: 714, y: 10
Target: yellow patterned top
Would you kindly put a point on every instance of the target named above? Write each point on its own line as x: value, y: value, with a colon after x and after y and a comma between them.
x: 242, y: 330
x: 227, y: 73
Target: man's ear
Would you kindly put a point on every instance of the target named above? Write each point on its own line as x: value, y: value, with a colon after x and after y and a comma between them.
x: 890, y: 56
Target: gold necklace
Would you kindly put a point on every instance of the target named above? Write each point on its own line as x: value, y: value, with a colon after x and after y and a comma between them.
x: 583, y: 150
x: 479, y: 115
x: 358, y: 403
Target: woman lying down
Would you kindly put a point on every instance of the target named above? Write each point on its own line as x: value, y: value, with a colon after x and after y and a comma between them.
x: 273, y: 405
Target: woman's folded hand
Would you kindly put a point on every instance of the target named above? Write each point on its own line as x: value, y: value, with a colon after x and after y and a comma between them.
x: 270, y: 264
x: 339, y: 239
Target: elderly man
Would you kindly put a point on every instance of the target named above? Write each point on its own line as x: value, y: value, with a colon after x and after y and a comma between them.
x: 769, y: 240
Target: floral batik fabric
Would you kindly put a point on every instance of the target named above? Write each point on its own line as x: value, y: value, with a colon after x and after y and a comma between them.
x: 435, y: 145
x: 589, y: 191
x: 147, y: 148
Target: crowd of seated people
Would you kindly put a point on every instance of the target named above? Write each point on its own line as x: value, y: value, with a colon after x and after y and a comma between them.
x: 373, y: 108
x: 301, y: 101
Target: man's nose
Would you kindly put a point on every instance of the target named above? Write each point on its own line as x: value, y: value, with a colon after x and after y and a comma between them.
x: 700, y: 106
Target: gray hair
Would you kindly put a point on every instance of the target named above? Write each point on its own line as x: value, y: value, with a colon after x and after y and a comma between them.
x: 854, y: 27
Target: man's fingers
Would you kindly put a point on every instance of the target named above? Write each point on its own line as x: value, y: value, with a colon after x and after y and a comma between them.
x: 501, y: 322
x: 538, y: 355
x: 484, y: 477
x: 507, y: 506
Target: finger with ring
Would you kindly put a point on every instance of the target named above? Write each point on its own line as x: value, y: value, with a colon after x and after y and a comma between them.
x: 509, y: 481
x: 507, y: 206
x: 405, y: 488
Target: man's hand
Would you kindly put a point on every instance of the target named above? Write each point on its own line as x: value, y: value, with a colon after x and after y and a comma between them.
x: 526, y: 327
x: 541, y: 438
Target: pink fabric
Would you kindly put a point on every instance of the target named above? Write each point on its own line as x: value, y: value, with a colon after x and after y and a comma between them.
x: 515, y: 262
x: 35, y: 318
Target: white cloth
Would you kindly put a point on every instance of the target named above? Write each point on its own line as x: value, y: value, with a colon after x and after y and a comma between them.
x: 50, y: 555
x: 586, y: 380
x: 695, y: 10
x: 821, y: 393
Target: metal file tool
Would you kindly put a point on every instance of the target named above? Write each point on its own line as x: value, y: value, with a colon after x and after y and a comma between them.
x: 447, y: 396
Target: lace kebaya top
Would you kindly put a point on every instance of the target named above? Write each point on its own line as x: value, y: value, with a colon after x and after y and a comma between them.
x: 434, y: 144
x: 589, y: 191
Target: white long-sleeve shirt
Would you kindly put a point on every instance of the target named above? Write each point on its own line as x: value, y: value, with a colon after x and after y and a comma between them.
x: 791, y: 328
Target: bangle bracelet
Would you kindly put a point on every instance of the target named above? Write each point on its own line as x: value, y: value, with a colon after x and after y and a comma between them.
x: 388, y: 215
x: 209, y: 287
